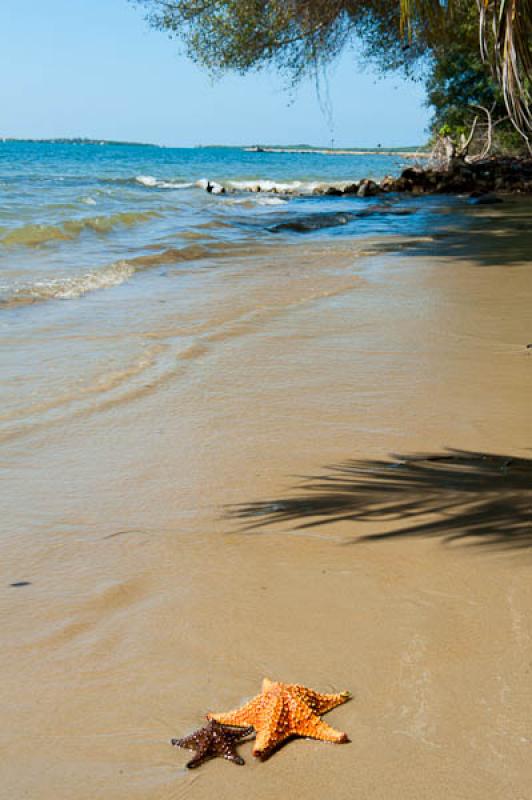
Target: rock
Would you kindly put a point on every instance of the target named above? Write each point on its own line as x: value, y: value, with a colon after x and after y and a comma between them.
x: 401, y: 185
x: 414, y: 174
x: 367, y: 188
x: 481, y: 178
x: 351, y: 188
x: 483, y: 199
x: 214, y: 188
x: 388, y: 184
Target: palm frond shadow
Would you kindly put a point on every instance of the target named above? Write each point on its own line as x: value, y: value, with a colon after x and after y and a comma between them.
x: 456, y: 495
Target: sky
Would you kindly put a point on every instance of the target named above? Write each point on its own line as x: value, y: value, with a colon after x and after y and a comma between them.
x: 94, y: 68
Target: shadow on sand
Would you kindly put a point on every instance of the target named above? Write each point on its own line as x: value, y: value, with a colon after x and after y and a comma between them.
x: 457, y: 495
x: 493, y: 236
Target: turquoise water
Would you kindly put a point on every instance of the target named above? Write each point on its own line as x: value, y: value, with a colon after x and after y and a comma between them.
x: 75, y: 218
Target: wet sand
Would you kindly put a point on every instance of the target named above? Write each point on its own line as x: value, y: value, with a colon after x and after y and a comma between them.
x: 149, y: 604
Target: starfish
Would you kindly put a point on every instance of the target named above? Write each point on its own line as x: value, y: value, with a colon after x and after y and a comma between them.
x: 283, y: 710
x: 213, y: 740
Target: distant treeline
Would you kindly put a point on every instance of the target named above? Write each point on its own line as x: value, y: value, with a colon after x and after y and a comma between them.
x: 76, y: 140
x: 257, y: 147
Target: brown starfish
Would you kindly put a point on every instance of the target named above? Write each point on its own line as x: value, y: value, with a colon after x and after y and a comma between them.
x: 283, y: 710
x: 213, y: 740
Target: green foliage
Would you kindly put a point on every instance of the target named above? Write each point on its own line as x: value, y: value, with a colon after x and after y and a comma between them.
x: 460, y: 85
x: 296, y: 36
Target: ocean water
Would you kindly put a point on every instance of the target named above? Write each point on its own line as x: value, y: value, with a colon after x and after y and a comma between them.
x: 75, y: 218
x: 101, y: 246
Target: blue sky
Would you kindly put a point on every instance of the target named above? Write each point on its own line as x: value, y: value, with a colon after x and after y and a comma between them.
x: 94, y: 68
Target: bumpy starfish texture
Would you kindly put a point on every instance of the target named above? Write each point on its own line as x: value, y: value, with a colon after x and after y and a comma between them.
x: 283, y: 710
x: 213, y: 740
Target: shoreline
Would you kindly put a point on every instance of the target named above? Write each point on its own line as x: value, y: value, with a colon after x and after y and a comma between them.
x: 149, y: 603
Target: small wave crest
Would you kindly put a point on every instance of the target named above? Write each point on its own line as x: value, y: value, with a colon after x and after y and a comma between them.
x: 107, y: 277
x: 155, y: 183
x: 35, y: 235
x: 259, y: 186
x: 274, y: 187
x: 257, y: 201
x: 69, y: 288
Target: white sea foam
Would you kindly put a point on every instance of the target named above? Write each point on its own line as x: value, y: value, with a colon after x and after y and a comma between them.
x: 146, y: 180
x: 271, y: 201
x: 295, y: 188
x: 234, y: 186
x: 250, y: 202
x: 155, y: 183
x: 71, y: 288
x: 210, y: 186
x: 275, y: 187
x: 258, y: 186
x: 266, y: 186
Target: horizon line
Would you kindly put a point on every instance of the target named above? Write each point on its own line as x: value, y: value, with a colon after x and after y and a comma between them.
x: 252, y: 147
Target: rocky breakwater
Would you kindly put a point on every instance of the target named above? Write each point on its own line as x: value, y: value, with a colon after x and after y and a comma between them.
x: 504, y: 175
x: 490, y: 175
x: 508, y: 175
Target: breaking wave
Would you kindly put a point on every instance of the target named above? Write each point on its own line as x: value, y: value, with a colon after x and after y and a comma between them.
x: 295, y: 188
x: 107, y: 277
x: 155, y: 183
x: 34, y: 235
x: 68, y: 288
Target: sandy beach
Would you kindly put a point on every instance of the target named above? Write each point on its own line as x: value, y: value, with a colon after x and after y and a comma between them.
x: 157, y: 591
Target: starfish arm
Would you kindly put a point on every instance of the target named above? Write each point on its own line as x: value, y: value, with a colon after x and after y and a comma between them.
x: 198, y: 759
x: 321, y: 703
x: 234, y: 757
x: 239, y: 733
x: 189, y: 742
x: 315, y: 728
x: 240, y: 717
x: 203, y: 753
x: 265, y: 742
x: 273, y: 727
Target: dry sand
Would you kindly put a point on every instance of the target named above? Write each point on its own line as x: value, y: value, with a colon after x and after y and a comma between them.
x: 148, y: 605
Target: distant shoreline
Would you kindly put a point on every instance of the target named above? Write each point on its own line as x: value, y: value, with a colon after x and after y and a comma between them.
x: 329, y: 151
x: 404, y: 152
x: 76, y: 140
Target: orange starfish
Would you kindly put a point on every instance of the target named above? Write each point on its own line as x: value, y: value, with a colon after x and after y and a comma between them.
x: 283, y: 710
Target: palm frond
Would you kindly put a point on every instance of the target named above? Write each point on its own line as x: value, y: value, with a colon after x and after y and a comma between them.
x: 505, y: 43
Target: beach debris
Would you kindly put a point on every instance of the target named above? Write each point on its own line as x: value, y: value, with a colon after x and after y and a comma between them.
x: 18, y: 584
x: 213, y: 740
x: 284, y: 710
